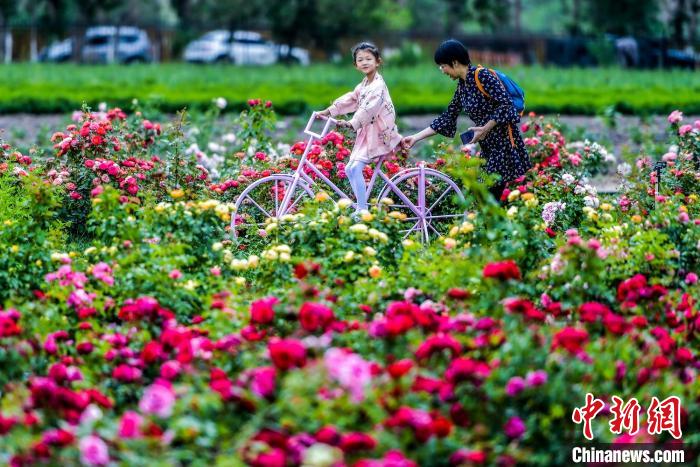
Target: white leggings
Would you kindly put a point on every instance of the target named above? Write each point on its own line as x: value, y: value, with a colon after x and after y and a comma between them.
x: 357, y: 181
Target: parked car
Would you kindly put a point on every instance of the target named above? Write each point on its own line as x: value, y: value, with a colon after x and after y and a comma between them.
x: 133, y: 46
x: 59, y: 51
x: 241, y: 48
x: 99, y: 46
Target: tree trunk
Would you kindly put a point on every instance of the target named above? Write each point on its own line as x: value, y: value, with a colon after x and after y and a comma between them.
x: 517, y: 15
x: 33, y: 48
x: 576, y: 18
x: 8, y: 46
x: 680, y: 18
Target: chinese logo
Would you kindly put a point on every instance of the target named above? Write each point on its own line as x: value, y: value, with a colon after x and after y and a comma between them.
x: 661, y: 416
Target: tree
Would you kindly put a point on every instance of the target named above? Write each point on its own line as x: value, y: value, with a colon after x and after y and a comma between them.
x: 624, y: 17
x: 325, y: 22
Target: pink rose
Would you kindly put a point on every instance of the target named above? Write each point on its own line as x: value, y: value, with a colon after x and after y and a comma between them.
x: 684, y: 129
x: 158, y: 399
x: 675, y: 116
x: 515, y: 386
x: 514, y: 427
x: 93, y: 451
x: 130, y: 425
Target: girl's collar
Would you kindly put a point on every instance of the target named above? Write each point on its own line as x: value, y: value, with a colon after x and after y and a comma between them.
x: 376, y: 75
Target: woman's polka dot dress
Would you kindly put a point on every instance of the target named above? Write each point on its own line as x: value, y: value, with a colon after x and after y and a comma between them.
x: 503, y: 156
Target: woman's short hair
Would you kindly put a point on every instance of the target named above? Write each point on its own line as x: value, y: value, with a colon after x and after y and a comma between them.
x: 450, y: 51
x: 369, y: 47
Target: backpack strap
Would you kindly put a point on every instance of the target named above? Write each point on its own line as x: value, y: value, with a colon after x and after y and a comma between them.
x: 478, y: 82
x: 483, y: 91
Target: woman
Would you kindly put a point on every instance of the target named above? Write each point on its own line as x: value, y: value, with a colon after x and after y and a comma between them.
x: 492, y: 111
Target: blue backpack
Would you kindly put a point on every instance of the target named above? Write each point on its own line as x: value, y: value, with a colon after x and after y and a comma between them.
x: 516, y: 93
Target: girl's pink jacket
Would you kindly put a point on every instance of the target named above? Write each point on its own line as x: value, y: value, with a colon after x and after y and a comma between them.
x: 374, y: 119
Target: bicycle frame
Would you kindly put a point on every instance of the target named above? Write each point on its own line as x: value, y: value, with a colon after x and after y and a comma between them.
x: 301, y: 174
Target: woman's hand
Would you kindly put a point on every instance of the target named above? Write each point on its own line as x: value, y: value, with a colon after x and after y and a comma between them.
x: 480, y: 132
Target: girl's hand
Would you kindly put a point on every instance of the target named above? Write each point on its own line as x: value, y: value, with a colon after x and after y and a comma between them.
x: 343, y: 123
x: 324, y: 112
x: 408, y: 141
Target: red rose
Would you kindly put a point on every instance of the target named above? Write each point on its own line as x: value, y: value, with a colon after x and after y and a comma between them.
x: 571, y: 339
x: 151, y: 352
x: 352, y: 442
x: 262, y: 311
x: 328, y: 435
x: 467, y: 369
x: 400, y: 368
x: 287, y: 353
x: 441, y: 426
x: 503, y: 270
x: 591, y: 311
x: 314, y: 316
x: 458, y: 294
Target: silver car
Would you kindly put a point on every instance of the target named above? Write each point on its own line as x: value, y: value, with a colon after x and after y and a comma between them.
x: 133, y: 45
x: 240, y: 48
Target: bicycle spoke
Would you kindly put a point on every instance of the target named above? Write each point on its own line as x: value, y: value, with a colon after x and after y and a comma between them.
x: 439, y: 199
x: 296, y: 201
x: 257, y: 205
x: 447, y: 216
x: 433, y: 229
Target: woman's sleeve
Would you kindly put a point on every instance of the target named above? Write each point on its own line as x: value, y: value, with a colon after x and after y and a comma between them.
x: 446, y: 123
x: 345, y: 104
x: 371, y: 105
x: 504, y: 111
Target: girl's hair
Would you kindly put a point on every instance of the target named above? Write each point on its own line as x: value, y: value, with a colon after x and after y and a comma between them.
x: 450, y: 51
x: 368, y: 46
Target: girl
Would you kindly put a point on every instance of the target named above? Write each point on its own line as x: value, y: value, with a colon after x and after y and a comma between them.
x: 374, y: 119
x: 492, y: 110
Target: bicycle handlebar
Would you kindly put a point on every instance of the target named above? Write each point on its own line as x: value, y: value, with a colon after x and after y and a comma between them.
x: 314, y: 116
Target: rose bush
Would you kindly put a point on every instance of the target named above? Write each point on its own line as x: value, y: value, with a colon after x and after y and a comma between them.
x: 150, y: 335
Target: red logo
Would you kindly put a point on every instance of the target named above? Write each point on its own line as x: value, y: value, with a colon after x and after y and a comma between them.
x: 661, y: 416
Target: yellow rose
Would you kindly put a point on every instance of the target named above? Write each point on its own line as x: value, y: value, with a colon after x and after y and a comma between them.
x: 450, y: 243
x: 322, y: 196
x: 527, y: 196
x: 636, y: 218
x: 367, y: 216
x: 375, y: 271
x: 397, y: 215
x: 344, y: 203
x: 606, y: 207
x: 513, y: 195
x: 178, y: 193
x: 359, y: 228
x: 466, y: 227
x: 15, y: 248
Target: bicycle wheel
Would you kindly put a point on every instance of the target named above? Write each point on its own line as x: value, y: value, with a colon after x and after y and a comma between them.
x: 262, y: 200
x: 438, y: 203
